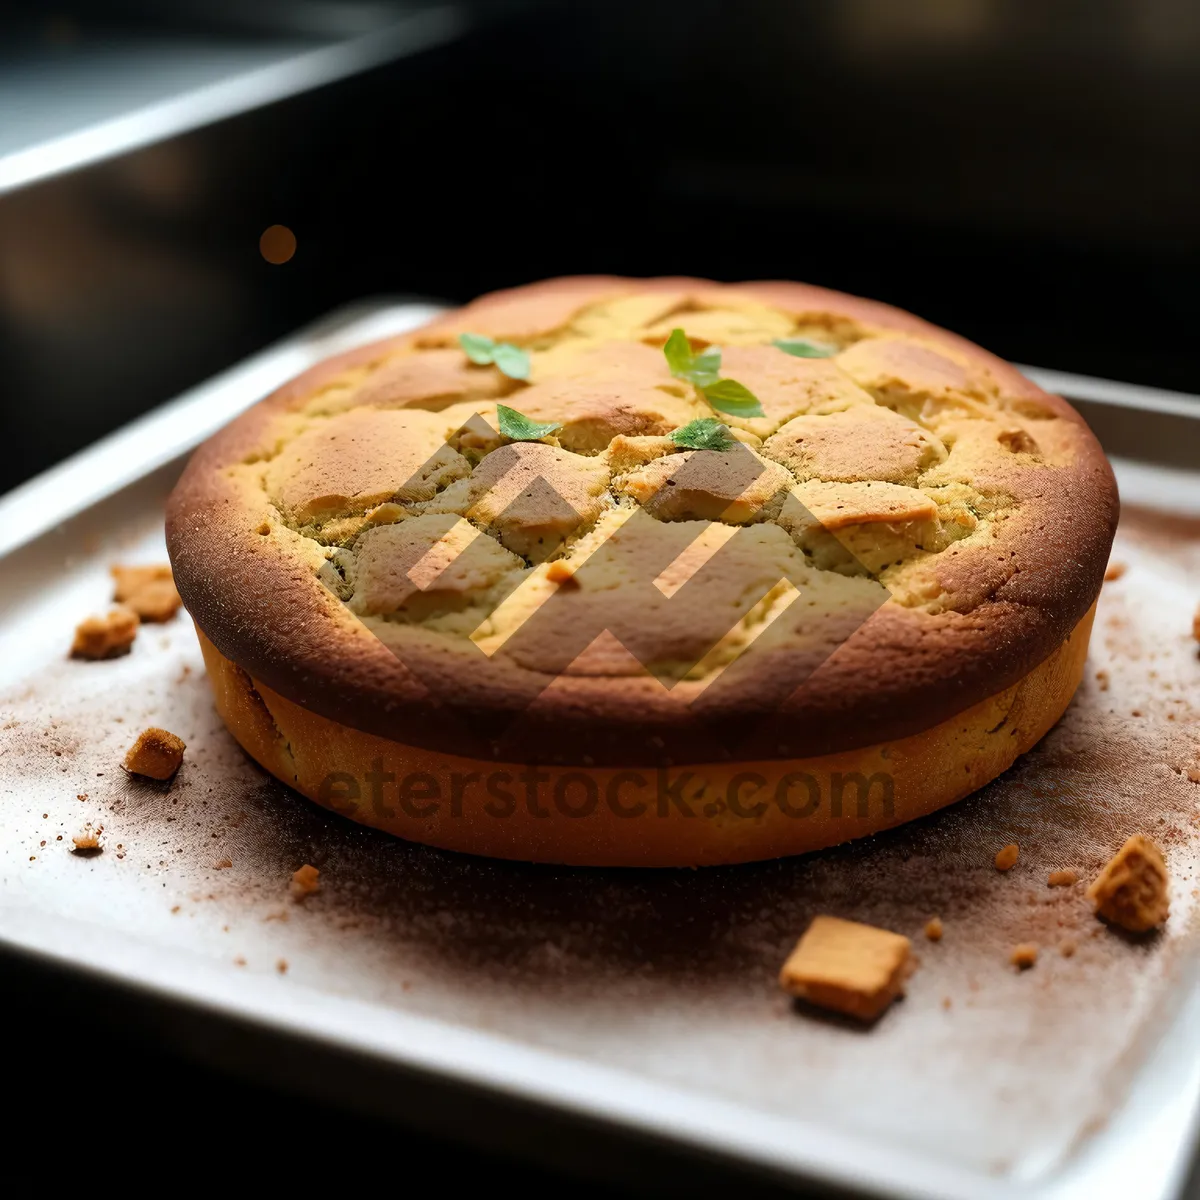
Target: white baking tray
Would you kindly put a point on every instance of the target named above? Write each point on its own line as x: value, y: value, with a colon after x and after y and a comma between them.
x: 634, y: 1001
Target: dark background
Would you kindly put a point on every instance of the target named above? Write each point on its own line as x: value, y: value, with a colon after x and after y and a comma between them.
x: 1027, y: 174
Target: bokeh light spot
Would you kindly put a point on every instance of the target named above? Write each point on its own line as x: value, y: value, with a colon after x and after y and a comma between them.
x: 277, y: 244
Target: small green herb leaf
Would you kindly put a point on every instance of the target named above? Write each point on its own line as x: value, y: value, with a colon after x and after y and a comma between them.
x: 511, y: 360
x: 519, y: 428
x: 704, y: 433
x: 708, y: 362
x: 702, y: 369
x: 477, y: 348
x: 803, y: 348
x: 678, y: 352
x: 729, y: 396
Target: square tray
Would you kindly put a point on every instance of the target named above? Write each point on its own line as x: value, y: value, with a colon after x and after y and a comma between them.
x: 634, y: 1003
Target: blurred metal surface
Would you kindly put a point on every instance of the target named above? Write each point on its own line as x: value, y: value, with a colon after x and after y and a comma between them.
x: 66, y: 112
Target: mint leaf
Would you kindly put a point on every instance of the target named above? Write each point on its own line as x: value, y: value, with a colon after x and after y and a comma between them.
x: 803, y: 348
x: 511, y: 360
x: 729, y: 396
x: 704, y: 370
x: 477, y: 348
x: 678, y: 353
x: 517, y: 427
x: 708, y: 362
x: 704, y: 433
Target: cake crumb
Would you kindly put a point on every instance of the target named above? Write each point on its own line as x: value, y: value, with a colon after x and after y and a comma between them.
x: 848, y: 967
x: 1114, y: 570
x: 149, y: 591
x: 281, y: 966
x: 1062, y: 878
x: 1196, y: 624
x: 1193, y: 774
x: 934, y: 929
x: 561, y: 573
x: 87, y: 843
x: 1023, y: 956
x: 1102, y: 680
x: 1067, y: 947
x: 223, y: 864
x: 1006, y: 859
x: 947, y: 1002
x: 304, y: 882
x: 105, y: 637
x: 1132, y: 890
x: 239, y: 961
x: 156, y: 754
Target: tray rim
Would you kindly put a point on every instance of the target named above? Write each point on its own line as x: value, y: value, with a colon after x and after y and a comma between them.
x: 1164, y: 1130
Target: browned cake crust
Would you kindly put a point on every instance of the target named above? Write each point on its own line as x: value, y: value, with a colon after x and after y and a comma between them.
x: 983, y: 505
x: 689, y: 815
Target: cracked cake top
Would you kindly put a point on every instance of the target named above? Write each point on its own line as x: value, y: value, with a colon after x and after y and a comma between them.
x: 894, y: 527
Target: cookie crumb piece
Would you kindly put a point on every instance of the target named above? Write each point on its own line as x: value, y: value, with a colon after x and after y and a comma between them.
x: 149, y: 591
x: 559, y: 572
x: 1062, y: 878
x: 305, y: 881
x: 847, y: 967
x: 1132, y: 890
x: 947, y: 1002
x: 1114, y: 570
x: 223, y: 864
x: 1006, y: 859
x: 281, y: 966
x: 1196, y: 625
x: 105, y: 637
x: 87, y: 843
x: 156, y: 754
x: 1067, y: 947
x: 1023, y: 956
x: 933, y: 929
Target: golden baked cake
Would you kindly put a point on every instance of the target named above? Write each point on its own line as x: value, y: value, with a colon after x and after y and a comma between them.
x: 646, y: 572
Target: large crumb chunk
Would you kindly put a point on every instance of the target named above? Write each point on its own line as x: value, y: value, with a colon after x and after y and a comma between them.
x: 848, y: 967
x: 1006, y: 858
x: 156, y: 754
x: 105, y: 637
x: 305, y: 881
x: 149, y: 591
x: 1132, y: 890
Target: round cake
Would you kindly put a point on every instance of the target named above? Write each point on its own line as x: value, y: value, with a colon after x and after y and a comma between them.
x: 646, y: 572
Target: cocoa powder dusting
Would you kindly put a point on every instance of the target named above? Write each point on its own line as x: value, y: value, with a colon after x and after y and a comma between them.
x: 670, y: 975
